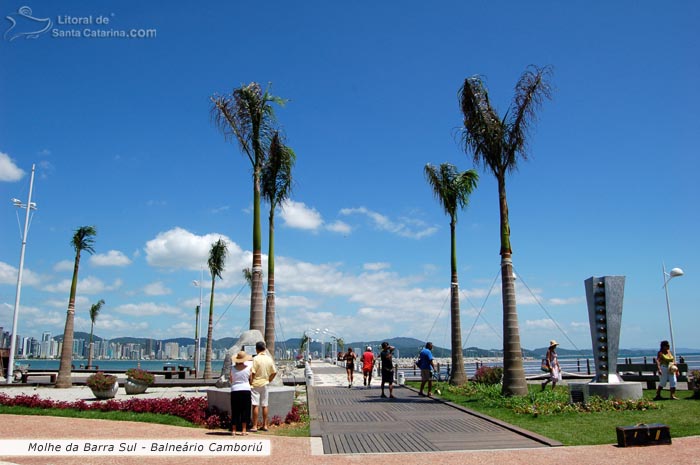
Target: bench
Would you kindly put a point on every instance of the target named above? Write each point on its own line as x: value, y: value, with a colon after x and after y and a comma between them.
x: 646, y: 372
x: 25, y: 375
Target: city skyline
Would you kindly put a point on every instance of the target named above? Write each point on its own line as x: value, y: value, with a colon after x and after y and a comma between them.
x: 121, y: 134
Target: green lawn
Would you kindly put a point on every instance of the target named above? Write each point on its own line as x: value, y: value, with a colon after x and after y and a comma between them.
x: 582, y: 428
x: 95, y: 414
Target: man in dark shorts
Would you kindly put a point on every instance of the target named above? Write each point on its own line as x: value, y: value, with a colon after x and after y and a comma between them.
x: 387, y: 362
x: 350, y: 365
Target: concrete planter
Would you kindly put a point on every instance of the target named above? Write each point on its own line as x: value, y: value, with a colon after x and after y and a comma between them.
x: 108, y: 394
x: 132, y: 386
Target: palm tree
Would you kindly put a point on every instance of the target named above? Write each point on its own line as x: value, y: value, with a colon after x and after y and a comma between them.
x: 276, y: 187
x: 497, y: 144
x: 83, y: 239
x: 217, y: 259
x: 247, y: 116
x: 94, y: 311
x: 452, y: 190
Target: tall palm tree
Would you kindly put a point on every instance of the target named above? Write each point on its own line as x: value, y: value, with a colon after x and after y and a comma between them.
x: 83, y: 240
x: 497, y: 144
x: 216, y: 262
x: 247, y: 116
x: 94, y: 312
x: 452, y: 190
x: 276, y: 187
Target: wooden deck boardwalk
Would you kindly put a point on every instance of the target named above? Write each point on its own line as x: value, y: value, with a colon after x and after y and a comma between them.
x: 358, y: 420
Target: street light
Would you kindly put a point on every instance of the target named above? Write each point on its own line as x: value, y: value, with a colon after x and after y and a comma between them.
x: 13, y: 342
x: 674, y: 273
x: 198, y: 317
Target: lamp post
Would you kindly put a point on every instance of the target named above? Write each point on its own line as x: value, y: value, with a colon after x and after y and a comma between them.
x: 675, y: 272
x: 198, y: 317
x: 13, y: 342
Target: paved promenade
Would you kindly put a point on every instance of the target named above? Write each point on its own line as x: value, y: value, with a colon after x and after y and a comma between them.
x: 306, y: 451
x: 357, y: 420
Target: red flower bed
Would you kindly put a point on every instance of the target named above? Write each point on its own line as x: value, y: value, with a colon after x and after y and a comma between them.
x: 192, y: 409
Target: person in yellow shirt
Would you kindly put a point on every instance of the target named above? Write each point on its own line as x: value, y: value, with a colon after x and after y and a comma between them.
x: 263, y: 372
x: 665, y: 363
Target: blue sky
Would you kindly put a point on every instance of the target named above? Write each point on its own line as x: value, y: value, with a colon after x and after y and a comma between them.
x: 121, y: 134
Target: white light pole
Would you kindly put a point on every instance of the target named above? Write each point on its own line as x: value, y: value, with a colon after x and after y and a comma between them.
x: 675, y: 272
x: 13, y: 342
x: 198, y: 317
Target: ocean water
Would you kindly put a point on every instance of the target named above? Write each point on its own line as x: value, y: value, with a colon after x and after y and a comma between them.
x: 118, y: 365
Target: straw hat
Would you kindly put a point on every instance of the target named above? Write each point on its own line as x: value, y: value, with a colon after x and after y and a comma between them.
x: 553, y: 343
x: 672, y: 368
x: 242, y: 357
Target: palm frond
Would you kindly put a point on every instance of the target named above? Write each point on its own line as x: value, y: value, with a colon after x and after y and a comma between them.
x: 531, y: 89
x: 276, y: 179
x: 450, y: 187
x: 248, y: 116
x: 217, y: 258
x: 95, y: 309
x: 84, y: 239
x: 483, y: 128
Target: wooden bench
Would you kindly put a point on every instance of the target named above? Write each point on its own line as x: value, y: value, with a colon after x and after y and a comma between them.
x: 25, y: 375
x: 647, y: 372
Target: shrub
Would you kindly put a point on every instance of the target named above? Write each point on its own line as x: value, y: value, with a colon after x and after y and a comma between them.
x: 488, y: 375
x: 142, y: 376
x: 101, y: 382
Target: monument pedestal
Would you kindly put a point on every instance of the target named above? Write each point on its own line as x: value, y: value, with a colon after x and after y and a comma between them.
x: 579, y: 392
x: 281, y: 400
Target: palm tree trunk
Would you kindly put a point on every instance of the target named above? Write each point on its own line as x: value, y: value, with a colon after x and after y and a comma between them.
x: 458, y: 375
x: 514, y: 383
x: 89, y: 363
x: 270, y: 303
x: 256, y: 296
x: 210, y: 331
x: 63, y: 380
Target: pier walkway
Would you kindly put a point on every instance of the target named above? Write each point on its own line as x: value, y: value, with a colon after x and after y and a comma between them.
x: 357, y: 420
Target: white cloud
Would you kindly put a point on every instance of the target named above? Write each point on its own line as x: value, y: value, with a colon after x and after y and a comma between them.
x: 181, y: 249
x: 89, y: 285
x: 298, y: 215
x: 147, y: 309
x: 376, y: 266
x: 566, y: 301
x: 339, y: 227
x: 9, y: 171
x: 111, y: 258
x: 405, y: 227
x: 544, y: 323
x: 157, y: 288
x: 8, y: 275
x: 64, y: 265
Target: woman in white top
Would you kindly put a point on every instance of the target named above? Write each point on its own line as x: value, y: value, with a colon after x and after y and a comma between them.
x: 240, y: 393
x: 552, y: 365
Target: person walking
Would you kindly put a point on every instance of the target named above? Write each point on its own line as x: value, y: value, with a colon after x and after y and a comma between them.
x: 552, y: 363
x: 368, y: 361
x: 263, y: 372
x: 426, y: 363
x: 665, y: 364
x: 387, y: 364
x: 350, y: 358
x: 240, y: 393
